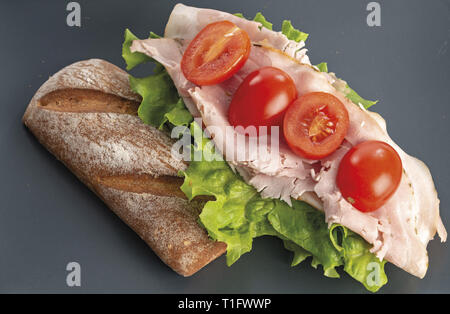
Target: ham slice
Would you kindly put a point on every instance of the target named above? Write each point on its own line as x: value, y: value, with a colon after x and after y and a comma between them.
x: 399, y: 231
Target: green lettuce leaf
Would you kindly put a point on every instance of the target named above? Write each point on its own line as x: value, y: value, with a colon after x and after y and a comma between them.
x: 132, y: 59
x: 323, y: 67
x: 179, y: 115
x: 225, y: 217
x: 307, y: 234
x: 261, y: 19
x: 300, y: 254
x: 160, y: 101
x: 161, y: 105
x: 359, y: 263
x: 238, y: 214
x: 292, y: 33
x: 286, y: 28
x: 349, y: 92
x: 306, y: 227
x: 356, y: 99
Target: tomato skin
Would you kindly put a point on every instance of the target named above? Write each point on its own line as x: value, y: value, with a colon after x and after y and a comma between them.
x: 217, y: 52
x: 315, y: 125
x: 369, y: 174
x: 262, y: 99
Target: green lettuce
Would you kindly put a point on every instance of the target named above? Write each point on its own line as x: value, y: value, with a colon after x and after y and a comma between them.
x: 161, y: 105
x: 359, y: 263
x: 261, y: 19
x: 323, y: 67
x: 238, y: 214
x: 286, y: 28
x: 292, y: 33
x: 306, y: 227
x: 356, y: 99
x: 300, y: 254
x: 349, y: 92
x: 133, y: 59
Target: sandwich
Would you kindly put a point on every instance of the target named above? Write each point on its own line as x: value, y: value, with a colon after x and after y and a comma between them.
x: 237, y: 135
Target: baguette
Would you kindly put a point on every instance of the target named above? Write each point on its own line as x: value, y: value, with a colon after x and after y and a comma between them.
x: 86, y: 116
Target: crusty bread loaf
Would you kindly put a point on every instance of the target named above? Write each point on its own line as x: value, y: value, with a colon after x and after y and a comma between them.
x: 85, y: 115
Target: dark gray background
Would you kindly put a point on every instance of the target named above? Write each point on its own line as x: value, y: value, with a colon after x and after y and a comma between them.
x: 48, y: 218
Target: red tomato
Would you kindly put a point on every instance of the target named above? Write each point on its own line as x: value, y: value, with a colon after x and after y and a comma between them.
x: 315, y: 125
x: 369, y: 174
x: 216, y: 53
x: 262, y: 99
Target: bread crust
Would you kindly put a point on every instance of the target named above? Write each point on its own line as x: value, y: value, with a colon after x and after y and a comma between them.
x: 85, y: 115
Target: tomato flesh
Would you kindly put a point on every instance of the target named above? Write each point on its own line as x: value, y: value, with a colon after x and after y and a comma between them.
x: 217, y: 52
x: 262, y: 99
x: 315, y: 125
x: 369, y: 174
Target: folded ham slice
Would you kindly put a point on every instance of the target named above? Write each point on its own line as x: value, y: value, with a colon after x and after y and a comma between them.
x: 399, y: 231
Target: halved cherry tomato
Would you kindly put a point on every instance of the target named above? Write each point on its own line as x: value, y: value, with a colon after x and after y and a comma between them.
x: 262, y: 99
x: 315, y: 125
x: 217, y: 52
x: 369, y: 174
